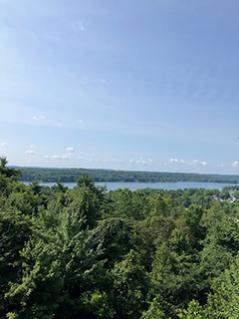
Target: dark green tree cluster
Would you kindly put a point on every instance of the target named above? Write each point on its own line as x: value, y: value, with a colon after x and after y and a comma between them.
x: 88, y: 253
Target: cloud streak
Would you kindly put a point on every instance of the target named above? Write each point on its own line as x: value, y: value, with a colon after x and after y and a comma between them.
x: 39, y: 117
x: 195, y: 162
x: 30, y: 152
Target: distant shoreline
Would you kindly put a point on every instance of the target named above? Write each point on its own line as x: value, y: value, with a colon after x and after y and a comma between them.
x: 70, y: 175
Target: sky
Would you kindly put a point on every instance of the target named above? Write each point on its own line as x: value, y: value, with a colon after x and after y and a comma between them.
x: 146, y: 85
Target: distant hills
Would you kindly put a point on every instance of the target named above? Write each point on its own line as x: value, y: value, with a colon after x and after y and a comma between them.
x: 64, y: 175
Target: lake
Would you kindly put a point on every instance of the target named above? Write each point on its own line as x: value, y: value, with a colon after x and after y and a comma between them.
x: 111, y: 186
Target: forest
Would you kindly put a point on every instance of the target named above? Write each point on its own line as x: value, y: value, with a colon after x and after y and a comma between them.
x: 64, y: 175
x: 89, y: 253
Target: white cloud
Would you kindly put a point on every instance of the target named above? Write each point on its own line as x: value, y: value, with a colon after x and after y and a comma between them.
x: 70, y: 149
x: 198, y: 162
x: 61, y: 156
x: 142, y: 161
x: 42, y: 119
x: 235, y: 164
x: 3, y: 144
x: 66, y: 155
x: 30, y: 152
x: 195, y: 162
x: 57, y: 156
x: 174, y: 160
x: 39, y: 117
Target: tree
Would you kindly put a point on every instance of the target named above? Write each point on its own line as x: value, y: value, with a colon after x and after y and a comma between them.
x: 15, y: 231
x: 224, y: 300
x: 6, y: 171
x: 154, y: 311
x: 114, y: 234
x: 129, y: 287
x: 194, y: 311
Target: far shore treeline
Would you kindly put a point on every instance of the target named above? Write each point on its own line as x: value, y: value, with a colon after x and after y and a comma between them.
x: 70, y: 175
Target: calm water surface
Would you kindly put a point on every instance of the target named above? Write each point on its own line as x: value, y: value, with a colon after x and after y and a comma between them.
x: 166, y: 186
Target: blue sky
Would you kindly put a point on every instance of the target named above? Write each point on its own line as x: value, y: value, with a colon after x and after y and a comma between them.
x: 143, y: 85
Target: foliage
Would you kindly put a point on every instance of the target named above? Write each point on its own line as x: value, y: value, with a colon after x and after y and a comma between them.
x: 154, y: 311
x: 92, y: 254
x: 194, y: 311
x: 224, y: 300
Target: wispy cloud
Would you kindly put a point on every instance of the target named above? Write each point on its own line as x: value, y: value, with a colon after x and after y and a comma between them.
x: 90, y: 69
x: 173, y: 160
x: 39, y: 117
x: 70, y: 149
x: 3, y: 148
x: 66, y: 155
x: 31, y: 152
x: 3, y: 144
x: 195, y: 162
x: 142, y: 161
x: 235, y: 164
x: 42, y: 119
x: 198, y: 162
x: 60, y: 156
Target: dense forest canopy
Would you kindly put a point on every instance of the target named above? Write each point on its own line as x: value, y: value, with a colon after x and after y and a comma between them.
x: 87, y: 253
x: 64, y: 175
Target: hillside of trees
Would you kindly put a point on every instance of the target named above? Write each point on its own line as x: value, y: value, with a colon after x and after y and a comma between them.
x: 88, y: 253
x: 64, y: 175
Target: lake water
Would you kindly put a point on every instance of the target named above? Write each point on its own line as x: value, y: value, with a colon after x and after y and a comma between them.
x: 166, y: 186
